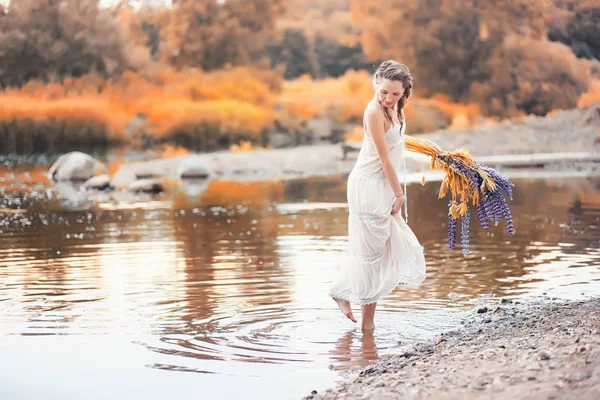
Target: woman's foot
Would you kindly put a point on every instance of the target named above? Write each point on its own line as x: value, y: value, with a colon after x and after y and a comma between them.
x: 368, y: 318
x: 367, y: 329
x: 344, y: 305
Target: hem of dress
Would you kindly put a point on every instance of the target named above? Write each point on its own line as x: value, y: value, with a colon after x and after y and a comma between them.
x: 361, y: 302
x: 401, y: 281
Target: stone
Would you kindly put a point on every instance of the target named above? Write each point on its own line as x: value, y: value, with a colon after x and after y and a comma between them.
x: 150, y: 185
x: 98, y: 182
x: 543, y: 355
x: 193, y: 167
x: 75, y: 166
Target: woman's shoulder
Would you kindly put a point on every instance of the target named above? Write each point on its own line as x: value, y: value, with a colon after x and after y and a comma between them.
x: 374, y: 111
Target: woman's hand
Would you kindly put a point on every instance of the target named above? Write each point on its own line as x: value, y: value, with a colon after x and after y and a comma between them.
x: 398, y: 203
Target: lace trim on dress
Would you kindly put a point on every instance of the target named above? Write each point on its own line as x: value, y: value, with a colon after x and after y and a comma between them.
x: 368, y: 258
x: 378, y: 176
x: 368, y: 217
x: 385, y: 291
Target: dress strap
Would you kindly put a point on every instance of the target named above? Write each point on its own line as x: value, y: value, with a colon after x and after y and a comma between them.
x: 404, y: 168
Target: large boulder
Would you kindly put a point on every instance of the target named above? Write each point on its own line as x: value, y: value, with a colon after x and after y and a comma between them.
x: 75, y: 166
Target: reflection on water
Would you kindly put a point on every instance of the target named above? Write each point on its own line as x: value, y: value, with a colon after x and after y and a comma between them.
x: 231, y: 285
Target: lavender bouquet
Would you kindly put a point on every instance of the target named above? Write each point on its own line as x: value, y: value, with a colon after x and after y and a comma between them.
x: 469, y: 182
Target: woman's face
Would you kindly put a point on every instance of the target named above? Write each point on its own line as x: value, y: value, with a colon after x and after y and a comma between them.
x: 389, y: 92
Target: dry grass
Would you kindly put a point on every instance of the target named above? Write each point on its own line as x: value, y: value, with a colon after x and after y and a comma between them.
x: 197, y: 109
x: 234, y: 104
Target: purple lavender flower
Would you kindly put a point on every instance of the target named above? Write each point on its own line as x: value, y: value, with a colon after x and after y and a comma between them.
x: 465, y: 231
x: 501, y: 181
x: 482, y: 215
x: 509, y: 222
x: 451, y: 230
x: 492, y: 206
x: 498, y: 203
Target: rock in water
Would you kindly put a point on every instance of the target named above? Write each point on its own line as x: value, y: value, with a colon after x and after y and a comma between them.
x: 151, y: 185
x: 75, y: 166
x: 99, y: 182
x: 193, y: 167
x: 154, y: 185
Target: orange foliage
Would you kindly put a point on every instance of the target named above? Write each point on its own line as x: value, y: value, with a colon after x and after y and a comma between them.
x: 591, y: 96
x: 356, y: 134
x: 240, y: 102
x: 169, y: 151
x: 237, y: 101
x: 242, y: 192
x: 244, y: 146
x: 343, y: 99
x: 462, y: 116
x: 28, y: 174
x: 72, y: 110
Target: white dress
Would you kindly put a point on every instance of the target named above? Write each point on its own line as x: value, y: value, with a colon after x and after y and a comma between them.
x: 382, y: 250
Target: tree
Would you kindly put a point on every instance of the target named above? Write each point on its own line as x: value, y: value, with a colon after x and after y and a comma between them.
x: 581, y: 33
x: 335, y: 58
x: 461, y: 48
x: 212, y: 34
x: 534, y: 77
x: 42, y: 39
x: 295, y: 53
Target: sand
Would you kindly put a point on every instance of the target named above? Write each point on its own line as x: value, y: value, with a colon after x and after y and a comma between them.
x: 528, y: 349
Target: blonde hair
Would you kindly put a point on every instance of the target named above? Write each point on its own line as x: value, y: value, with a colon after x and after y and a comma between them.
x: 395, y: 71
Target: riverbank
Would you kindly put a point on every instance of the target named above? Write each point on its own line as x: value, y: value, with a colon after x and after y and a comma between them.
x: 511, y: 144
x: 534, y: 349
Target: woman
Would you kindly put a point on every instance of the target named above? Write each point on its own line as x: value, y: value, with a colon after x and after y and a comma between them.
x: 383, y: 250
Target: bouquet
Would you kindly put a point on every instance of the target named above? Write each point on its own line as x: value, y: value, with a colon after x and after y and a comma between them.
x: 469, y: 182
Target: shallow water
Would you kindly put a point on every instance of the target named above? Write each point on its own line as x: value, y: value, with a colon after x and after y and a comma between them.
x: 225, y: 293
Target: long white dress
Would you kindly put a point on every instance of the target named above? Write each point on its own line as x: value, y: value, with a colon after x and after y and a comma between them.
x: 382, y: 250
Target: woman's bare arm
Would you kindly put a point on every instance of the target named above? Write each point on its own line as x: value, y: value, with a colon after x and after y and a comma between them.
x: 375, y: 119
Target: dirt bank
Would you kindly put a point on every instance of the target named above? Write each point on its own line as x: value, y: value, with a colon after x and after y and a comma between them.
x: 540, y: 349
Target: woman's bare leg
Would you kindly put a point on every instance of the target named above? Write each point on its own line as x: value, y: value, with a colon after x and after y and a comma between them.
x: 368, y: 317
x: 344, y: 305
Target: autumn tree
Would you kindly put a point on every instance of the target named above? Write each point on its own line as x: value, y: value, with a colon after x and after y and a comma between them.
x: 312, y: 38
x: 466, y: 48
x: 294, y: 53
x: 212, y: 34
x: 334, y: 58
x: 581, y: 32
x: 533, y: 76
x: 42, y: 39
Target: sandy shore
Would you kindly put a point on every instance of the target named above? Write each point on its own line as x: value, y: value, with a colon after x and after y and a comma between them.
x: 540, y: 349
x: 563, y: 131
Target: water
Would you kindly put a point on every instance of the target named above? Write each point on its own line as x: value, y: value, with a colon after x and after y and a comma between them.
x: 225, y: 294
